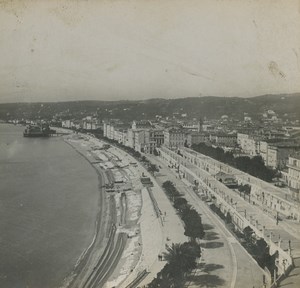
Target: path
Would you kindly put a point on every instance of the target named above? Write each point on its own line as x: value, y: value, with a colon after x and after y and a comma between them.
x: 226, y: 261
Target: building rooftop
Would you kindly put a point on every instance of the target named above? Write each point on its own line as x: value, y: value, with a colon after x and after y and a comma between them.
x: 222, y: 134
x: 143, y: 124
x: 202, y: 133
x: 176, y: 130
x: 286, y: 145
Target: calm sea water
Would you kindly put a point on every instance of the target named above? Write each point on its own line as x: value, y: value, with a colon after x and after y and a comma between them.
x: 48, y: 206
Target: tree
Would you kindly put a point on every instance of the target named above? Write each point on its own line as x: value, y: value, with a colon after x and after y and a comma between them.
x: 228, y: 218
x: 181, y: 259
x: 261, y: 252
x: 153, y: 168
x: 155, y: 152
x: 180, y: 204
x: 254, y: 166
x: 248, y: 234
x: 170, y: 189
x: 247, y: 189
x: 193, y: 224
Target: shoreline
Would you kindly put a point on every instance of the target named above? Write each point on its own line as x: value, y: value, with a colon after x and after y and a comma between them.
x: 132, y: 219
x: 115, y: 211
x: 139, y: 253
x: 121, y: 229
x: 101, y: 222
x: 55, y: 195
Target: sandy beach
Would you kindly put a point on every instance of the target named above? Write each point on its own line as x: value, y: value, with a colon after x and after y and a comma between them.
x: 130, y: 209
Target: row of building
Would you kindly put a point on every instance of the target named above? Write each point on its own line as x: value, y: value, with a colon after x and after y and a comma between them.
x: 274, y: 146
x: 87, y: 123
x: 142, y: 136
x: 275, y: 151
x: 199, y: 170
x: 145, y: 137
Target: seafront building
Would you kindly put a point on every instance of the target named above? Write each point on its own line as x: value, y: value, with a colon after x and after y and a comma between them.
x: 274, y: 151
x: 197, y: 137
x: 223, y: 139
x: 278, y: 154
x: 174, y: 137
x: 273, y: 198
x: 142, y: 136
x: 145, y: 136
x: 87, y: 123
x: 293, y: 176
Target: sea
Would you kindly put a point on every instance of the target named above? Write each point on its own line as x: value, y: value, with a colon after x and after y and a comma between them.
x: 49, y: 200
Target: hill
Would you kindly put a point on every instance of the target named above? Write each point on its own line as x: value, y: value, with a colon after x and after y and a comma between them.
x: 285, y: 105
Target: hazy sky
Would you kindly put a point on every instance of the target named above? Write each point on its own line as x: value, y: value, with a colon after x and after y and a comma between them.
x: 108, y: 50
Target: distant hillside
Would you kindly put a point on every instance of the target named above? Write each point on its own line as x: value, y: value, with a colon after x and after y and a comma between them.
x: 210, y: 107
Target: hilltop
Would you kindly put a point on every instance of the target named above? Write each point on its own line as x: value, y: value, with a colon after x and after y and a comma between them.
x: 211, y: 107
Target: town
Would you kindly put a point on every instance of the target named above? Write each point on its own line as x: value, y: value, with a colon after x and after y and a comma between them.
x: 247, y: 171
x: 150, y: 144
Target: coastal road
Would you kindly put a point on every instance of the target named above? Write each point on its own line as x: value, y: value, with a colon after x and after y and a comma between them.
x: 234, y: 266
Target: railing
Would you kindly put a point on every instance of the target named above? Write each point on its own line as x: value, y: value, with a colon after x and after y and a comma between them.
x: 155, y: 205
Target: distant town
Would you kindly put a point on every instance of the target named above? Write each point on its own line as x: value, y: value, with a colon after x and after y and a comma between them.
x: 245, y: 166
x: 272, y: 136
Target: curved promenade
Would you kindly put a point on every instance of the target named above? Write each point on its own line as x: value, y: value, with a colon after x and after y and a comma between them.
x: 225, y: 262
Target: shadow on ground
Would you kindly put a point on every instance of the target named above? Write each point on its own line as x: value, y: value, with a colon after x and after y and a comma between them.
x: 211, y: 236
x: 207, y: 280
x: 207, y: 268
x: 211, y: 245
x: 207, y: 227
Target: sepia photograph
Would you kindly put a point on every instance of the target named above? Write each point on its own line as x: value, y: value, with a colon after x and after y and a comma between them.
x: 149, y: 143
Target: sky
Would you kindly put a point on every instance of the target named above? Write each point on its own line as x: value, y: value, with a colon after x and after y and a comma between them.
x: 59, y: 50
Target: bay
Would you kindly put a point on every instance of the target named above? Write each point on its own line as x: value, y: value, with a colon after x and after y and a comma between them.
x: 48, y: 207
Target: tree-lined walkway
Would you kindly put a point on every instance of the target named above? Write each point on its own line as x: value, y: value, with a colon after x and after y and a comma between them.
x: 224, y: 262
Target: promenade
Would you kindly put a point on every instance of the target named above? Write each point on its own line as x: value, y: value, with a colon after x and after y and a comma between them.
x: 224, y: 262
x: 245, y: 211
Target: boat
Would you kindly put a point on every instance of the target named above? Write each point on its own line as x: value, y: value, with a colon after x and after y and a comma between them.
x: 38, y: 130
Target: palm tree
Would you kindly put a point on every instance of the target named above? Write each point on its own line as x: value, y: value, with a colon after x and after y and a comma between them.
x: 181, y: 259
